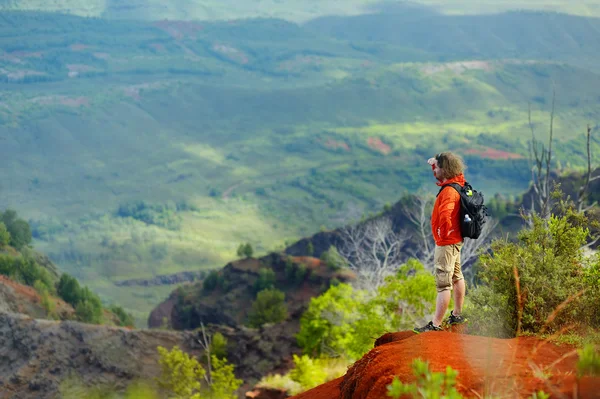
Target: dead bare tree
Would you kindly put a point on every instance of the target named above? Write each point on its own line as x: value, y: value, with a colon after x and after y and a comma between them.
x: 583, y: 190
x: 472, y: 248
x: 418, y: 212
x: 206, y: 342
x: 372, y: 250
x: 541, y: 158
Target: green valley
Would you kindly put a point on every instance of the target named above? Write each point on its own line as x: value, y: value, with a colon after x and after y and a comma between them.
x: 138, y: 148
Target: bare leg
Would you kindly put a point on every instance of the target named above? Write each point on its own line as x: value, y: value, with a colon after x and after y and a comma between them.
x: 459, y: 296
x: 441, y: 306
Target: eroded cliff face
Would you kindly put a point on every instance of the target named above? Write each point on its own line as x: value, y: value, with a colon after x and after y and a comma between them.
x: 37, y: 355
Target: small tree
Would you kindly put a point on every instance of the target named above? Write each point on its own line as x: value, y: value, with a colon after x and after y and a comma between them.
x: 269, y: 307
x: 181, y: 374
x: 4, y: 235
x: 333, y: 259
x: 245, y: 250
x: 266, y: 279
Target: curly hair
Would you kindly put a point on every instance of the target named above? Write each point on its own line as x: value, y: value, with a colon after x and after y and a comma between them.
x: 451, y: 164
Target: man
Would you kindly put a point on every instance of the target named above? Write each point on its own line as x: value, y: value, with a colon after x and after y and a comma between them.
x: 445, y: 225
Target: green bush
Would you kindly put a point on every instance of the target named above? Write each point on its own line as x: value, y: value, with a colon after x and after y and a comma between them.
x: 308, y: 372
x: 245, y: 250
x: 68, y: 289
x: 4, y: 235
x: 428, y: 384
x: 88, y: 307
x: 182, y: 377
x: 218, y: 346
x: 47, y: 302
x: 269, y: 307
x: 19, y: 230
x: 212, y: 281
x: 550, y: 265
x: 344, y: 321
x: 223, y: 382
x: 26, y: 270
x: 589, y: 361
x: 124, y: 319
x: 266, y: 279
x: 181, y: 374
x: 333, y: 259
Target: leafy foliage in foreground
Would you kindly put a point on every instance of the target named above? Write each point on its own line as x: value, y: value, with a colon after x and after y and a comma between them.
x: 183, y: 376
x: 543, y: 280
x: 345, y: 321
x: 430, y: 384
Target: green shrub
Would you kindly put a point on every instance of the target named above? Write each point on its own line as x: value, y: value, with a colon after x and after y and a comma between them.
x: 428, y: 384
x: 223, y: 382
x: 308, y: 372
x: 124, y: 319
x: 19, y: 230
x: 332, y: 259
x: 212, y: 281
x: 218, y: 346
x: 269, y: 307
x: 4, y: 235
x: 245, y: 250
x: 88, y: 307
x: 549, y: 262
x: 26, y: 270
x: 344, y: 321
x: 589, y: 361
x: 181, y: 374
x: 68, y: 289
x: 266, y: 279
x: 47, y: 302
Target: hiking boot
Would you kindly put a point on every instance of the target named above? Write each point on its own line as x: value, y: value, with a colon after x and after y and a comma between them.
x: 428, y: 327
x: 455, y: 319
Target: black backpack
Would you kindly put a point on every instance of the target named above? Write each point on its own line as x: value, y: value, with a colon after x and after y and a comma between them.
x: 473, y: 212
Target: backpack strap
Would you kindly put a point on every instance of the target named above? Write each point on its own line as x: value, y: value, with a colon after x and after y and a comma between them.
x: 455, y: 186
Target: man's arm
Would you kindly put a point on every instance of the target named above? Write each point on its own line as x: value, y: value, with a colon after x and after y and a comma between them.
x: 448, y: 201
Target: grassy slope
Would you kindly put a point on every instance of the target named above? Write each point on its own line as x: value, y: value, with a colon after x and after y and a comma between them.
x: 264, y: 148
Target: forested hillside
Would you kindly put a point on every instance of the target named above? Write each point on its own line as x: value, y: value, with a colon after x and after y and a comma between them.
x: 139, y: 148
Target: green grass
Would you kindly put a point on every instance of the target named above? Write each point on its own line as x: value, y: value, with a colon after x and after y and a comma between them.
x: 263, y: 151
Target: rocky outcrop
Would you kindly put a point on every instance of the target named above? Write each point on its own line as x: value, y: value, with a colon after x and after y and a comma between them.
x: 37, y: 355
x: 165, y: 279
x: 229, y: 302
x: 515, y: 367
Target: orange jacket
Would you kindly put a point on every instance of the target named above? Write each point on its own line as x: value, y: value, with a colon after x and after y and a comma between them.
x: 445, y: 219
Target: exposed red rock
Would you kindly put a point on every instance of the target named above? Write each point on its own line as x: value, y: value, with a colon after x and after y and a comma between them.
x: 511, y: 368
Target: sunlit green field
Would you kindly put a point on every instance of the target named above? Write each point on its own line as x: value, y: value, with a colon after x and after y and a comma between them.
x: 262, y: 131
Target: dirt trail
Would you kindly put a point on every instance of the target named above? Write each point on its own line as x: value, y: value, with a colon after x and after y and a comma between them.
x: 511, y: 368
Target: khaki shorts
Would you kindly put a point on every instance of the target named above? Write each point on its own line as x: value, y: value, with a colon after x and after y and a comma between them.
x: 446, y: 260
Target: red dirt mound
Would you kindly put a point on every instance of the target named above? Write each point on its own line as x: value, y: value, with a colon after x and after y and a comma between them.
x: 486, y: 366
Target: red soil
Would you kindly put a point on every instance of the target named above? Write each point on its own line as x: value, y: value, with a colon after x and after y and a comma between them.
x: 494, y: 154
x: 379, y: 145
x: 510, y: 368
x: 331, y: 143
